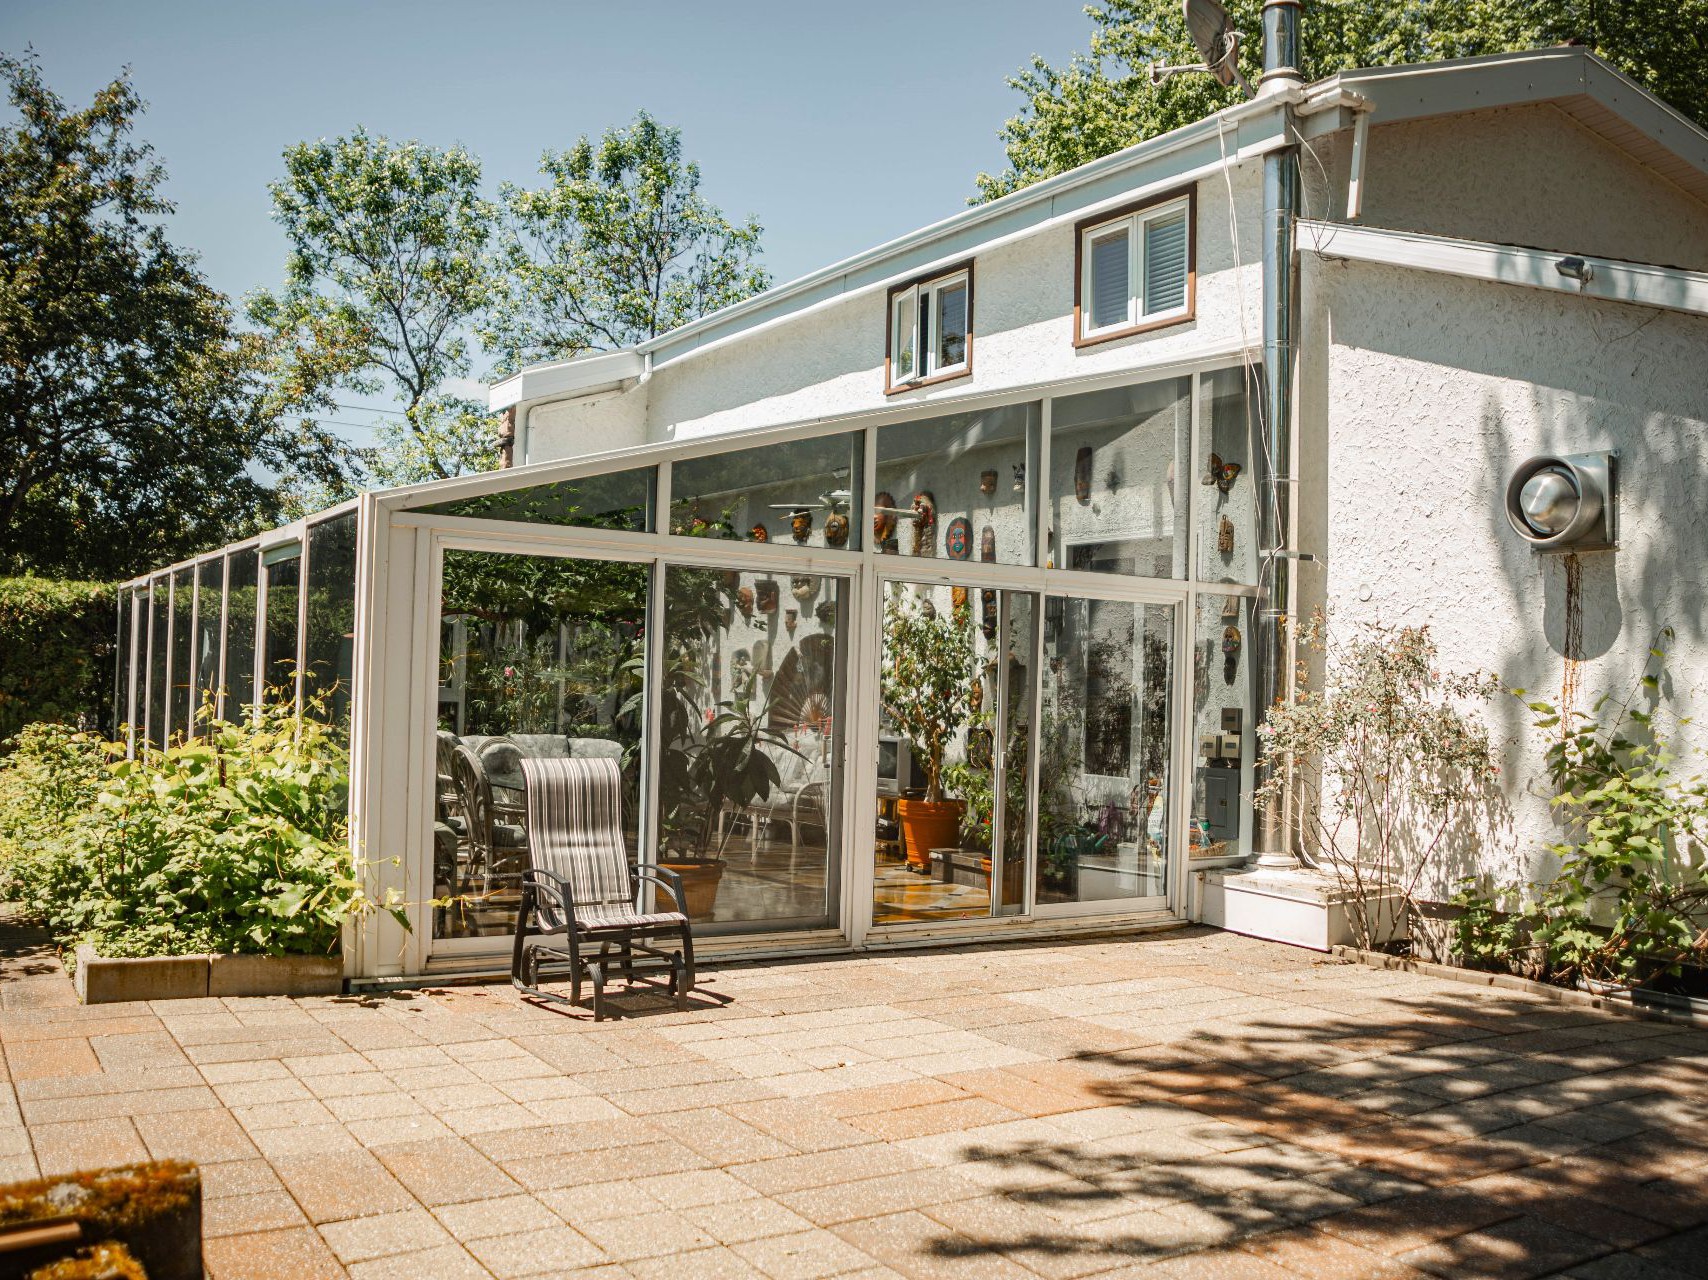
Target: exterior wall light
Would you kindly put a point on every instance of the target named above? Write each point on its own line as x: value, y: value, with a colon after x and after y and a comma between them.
x: 1575, y: 269
x: 1564, y: 502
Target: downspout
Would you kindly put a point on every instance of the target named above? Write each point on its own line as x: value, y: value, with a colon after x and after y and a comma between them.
x: 1275, y: 480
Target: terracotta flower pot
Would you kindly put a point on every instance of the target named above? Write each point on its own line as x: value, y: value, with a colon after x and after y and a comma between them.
x: 927, y: 825
x: 699, y: 886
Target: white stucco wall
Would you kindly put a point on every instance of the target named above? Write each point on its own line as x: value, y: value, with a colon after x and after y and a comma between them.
x: 1515, y: 175
x: 829, y: 362
x: 1421, y: 393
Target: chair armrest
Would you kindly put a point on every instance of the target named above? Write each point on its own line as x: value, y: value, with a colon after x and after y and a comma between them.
x: 550, y: 885
x: 669, y: 879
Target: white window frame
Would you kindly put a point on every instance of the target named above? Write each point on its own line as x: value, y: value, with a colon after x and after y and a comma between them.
x: 1134, y: 221
x: 920, y: 302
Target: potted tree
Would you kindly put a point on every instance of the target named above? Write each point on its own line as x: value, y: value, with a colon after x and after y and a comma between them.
x: 927, y: 685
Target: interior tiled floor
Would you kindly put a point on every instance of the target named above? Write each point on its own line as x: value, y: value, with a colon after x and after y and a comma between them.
x: 1185, y: 1104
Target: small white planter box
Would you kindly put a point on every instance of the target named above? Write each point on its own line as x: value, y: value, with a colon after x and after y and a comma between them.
x: 1304, y: 908
x: 102, y: 980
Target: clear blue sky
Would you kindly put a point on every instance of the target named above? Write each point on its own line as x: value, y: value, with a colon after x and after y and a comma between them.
x: 839, y: 125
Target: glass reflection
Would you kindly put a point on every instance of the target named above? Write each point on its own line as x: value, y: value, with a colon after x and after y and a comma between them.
x: 210, y: 597
x: 956, y: 488
x: 182, y: 674
x: 749, y: 760
x: 619, y: 500
x: 279, y: 644
x: 159, y: 604
x: 1224, y: 746
x: 797, y: 493
x: 540, y: 656
x: 1227, y: 478
x: 242, y: 598
x: 1103, y: 754
x: 329, y: 648
x: 1117, y: 504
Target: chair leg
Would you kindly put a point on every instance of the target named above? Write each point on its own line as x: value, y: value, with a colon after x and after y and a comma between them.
x: 687, y: 981
x: 628, y: 961
x: 596, y: 971
x: 678, y: 983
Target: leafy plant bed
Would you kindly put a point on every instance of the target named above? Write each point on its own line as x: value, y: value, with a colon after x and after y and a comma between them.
x: 110, y: 979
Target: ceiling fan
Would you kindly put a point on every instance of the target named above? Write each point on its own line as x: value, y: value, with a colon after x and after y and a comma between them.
x: 834, y: 501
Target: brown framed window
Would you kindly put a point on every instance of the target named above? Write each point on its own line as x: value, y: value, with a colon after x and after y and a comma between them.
x: 1135, y: 269
x: 929, y: 337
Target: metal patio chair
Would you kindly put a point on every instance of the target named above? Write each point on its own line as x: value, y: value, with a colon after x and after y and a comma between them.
x: 580, y: 883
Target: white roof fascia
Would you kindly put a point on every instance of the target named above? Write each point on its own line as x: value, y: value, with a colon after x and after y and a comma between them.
x: 1611, y: 280
x: 1414, y: 91
x: 584, y: 375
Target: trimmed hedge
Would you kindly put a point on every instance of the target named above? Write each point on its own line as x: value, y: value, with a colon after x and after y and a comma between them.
x: 57, y: 643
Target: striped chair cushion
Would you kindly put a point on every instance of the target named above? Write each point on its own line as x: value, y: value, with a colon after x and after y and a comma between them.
x: 575, y: 829
x: 630, y: 920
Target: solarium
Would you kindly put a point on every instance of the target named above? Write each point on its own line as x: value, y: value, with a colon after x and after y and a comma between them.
x: 1096, y: 561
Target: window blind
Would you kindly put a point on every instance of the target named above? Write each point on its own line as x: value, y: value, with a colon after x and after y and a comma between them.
x: 1165, y: 264
x: 1109, y: 295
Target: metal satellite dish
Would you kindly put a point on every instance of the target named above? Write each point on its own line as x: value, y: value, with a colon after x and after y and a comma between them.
x: 1218, y: 44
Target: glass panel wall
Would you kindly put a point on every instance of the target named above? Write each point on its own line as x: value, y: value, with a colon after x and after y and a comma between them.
x: 956, y: 487
x: 798, y: 492
x: 329, y: 648
x: 1224, y: 751
x: 955, y: 703
x: 750, y: 744
x: 210, y: 600
x: 1227, y: 488
x: 1117, y: 502
x: 159, y: 606
x: 242, y: 598
x: 182, y: 674
x: 540, y: 656
x: 620, y: 500
x: 279, y: 640
x: 1103, y: 754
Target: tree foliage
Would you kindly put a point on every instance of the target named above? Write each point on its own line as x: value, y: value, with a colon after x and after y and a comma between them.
x: 387, y: 273
x: 62, y: 636
x: 618, y: 246
x: 1103, y: 101
x: 134, y: 423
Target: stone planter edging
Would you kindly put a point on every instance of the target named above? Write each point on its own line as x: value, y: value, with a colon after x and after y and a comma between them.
x: 109, y: 980
x: 1617, y: 1004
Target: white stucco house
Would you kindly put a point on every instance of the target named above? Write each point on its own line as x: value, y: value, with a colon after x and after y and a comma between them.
x: 1047, y: 411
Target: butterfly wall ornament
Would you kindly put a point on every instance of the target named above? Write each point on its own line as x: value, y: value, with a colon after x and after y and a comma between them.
x: 1222, y: 474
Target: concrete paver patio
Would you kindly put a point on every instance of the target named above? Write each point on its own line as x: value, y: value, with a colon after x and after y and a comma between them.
x: 1185, y: 1104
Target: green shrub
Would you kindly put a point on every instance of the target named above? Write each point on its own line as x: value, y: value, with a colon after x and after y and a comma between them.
x: 236, y: 841
x: 56, y: 652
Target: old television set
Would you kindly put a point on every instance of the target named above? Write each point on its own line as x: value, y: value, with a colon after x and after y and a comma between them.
x: 897, y: 773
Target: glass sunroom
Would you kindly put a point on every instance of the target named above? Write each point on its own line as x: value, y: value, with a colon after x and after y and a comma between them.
x: 1090, y: 554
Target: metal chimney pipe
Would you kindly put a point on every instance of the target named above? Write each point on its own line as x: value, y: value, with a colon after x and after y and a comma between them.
x: 1274, y: 470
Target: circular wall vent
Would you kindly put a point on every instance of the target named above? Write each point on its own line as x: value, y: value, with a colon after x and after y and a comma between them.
x: 1563, y: 502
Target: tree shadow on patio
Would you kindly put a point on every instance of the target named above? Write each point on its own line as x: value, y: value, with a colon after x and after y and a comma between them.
x: 1464, y: 1138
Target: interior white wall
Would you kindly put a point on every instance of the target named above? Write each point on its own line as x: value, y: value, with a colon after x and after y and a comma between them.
x: 1420, y: 395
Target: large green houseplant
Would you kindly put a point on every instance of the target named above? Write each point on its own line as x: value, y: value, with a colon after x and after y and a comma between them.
x: 930, y: 666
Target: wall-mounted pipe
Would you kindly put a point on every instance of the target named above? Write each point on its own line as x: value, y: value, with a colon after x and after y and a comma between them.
x: 1281, y: 200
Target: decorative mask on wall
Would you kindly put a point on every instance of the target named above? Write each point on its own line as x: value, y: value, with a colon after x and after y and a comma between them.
x: 927, y: 609
x: 958, y: 539
x: 744, y: 601
x: 826, y: 612
x: 987, y: 603
x: 800, y: 525
x: 978, y: 695
x: 759, y: 533
x: 741, y: 670
x: 1082, y: 474
x: 836, y: 530
x: 1230, y: 642
x: 987, y: 545
x: 987, y: 482
x: 1222, y: 474
x: 1225, y: 537
x: 790, y: 618
x: 958, y: 598
x: 924, y: 522
x: 803, y: 587
x: 1019, y: 477
x: 883, y: 518
x: 766, y: 595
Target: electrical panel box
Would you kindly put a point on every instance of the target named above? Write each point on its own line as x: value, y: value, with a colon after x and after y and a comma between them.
x: 1222, y: 803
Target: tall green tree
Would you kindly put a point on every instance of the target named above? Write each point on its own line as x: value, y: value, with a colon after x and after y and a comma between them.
x: 386, y: 276
x: 616, y: 247
x: 1103, y: 101
x: 135, y: 427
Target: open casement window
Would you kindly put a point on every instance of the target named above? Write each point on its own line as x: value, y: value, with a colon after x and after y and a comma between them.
x: 930, y: 330
x: 1136, y: 270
